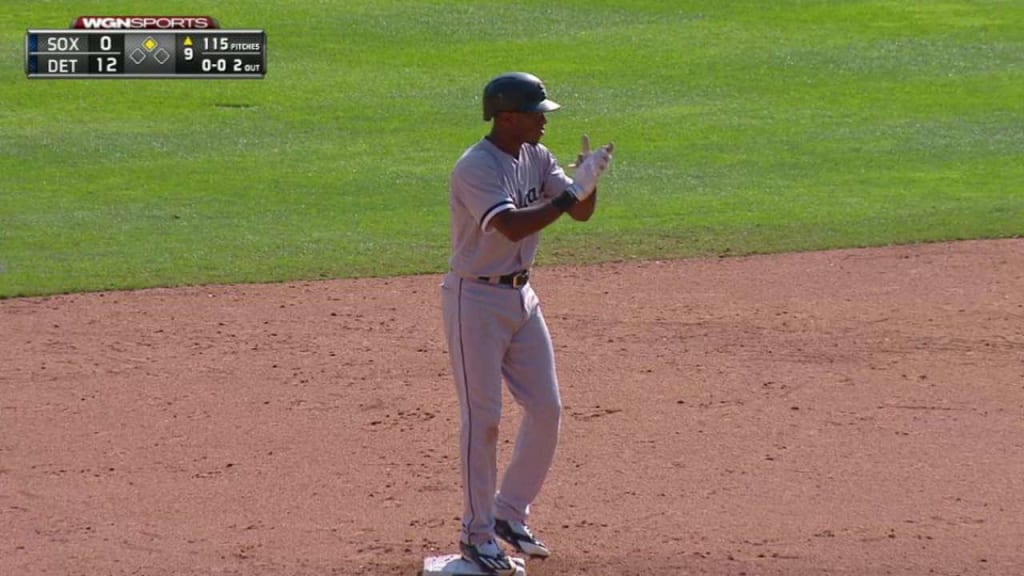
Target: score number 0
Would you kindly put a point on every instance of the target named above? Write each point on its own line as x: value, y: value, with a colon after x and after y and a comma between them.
x: 106, y: 63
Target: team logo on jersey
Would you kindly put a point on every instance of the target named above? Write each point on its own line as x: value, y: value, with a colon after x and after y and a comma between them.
x: 528, y: 199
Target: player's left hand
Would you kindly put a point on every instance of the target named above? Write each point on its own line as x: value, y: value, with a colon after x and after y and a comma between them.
x: 605, y: 152
x: 584, y: 152
x: 590, y: 171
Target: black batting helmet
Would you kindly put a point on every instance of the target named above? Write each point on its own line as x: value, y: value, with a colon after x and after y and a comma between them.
x: 516, y: 92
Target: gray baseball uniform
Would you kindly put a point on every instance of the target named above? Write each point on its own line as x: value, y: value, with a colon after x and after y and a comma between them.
x: 496, y: 330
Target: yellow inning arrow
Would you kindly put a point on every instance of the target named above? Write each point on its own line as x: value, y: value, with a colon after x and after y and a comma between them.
x: 188, y: 40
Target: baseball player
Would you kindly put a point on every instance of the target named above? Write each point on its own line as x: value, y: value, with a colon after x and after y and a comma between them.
x: 504, y: 190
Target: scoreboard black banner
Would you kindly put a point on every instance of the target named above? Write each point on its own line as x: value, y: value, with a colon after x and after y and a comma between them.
x: 146, y: 54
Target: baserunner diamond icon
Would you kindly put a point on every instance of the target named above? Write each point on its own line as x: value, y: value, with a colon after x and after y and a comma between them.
x: 150, y: 44
x: 162, y: 56
x: 137, y: 56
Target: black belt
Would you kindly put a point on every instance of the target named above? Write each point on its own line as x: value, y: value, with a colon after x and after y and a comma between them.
x: 515, y: 279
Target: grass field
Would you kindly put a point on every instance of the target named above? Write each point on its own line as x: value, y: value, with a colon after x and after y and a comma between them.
x: 741, y: 127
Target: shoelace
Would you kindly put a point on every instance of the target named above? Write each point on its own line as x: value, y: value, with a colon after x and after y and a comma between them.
x: 522, y: 529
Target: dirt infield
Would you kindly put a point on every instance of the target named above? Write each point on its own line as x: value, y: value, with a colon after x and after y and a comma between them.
x: 852, y: 412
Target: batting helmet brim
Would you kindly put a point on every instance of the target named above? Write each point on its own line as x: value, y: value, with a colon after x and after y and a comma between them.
x: 545, y: 105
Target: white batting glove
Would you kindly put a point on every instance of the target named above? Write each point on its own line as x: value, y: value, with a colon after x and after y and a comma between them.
x: 590, y: 171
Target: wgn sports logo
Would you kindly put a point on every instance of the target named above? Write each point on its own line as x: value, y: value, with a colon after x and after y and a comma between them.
x: 145, y: 23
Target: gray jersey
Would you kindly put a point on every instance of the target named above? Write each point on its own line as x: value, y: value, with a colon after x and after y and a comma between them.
x: 487, y: 181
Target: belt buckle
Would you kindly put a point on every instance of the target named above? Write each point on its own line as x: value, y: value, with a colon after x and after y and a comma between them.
x: 520, y: 280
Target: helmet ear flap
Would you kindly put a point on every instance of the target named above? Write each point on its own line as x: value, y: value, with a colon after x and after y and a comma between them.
x: 501, y: 97
x: 493, y: 104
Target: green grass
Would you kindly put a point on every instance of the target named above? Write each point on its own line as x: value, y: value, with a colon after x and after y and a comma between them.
x: 741, y: 127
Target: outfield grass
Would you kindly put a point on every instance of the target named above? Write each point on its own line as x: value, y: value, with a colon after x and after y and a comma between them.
x: 741, y: 127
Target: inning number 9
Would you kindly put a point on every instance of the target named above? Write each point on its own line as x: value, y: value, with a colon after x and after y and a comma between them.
x: 189, y: 53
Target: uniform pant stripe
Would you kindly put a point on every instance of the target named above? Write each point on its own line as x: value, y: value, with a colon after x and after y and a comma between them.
x: 469, y: 415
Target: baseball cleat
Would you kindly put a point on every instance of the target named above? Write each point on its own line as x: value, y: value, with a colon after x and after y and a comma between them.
x: 490, y: 557
x: 518, y: 536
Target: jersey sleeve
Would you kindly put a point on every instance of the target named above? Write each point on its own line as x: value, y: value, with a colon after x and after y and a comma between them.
x: 555, y: 178
x: 478, y: 185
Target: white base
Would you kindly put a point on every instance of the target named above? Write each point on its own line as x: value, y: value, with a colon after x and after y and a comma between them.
x: 454, y: 565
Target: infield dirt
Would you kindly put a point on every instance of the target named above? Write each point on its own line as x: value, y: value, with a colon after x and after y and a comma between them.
x: 852, y: 412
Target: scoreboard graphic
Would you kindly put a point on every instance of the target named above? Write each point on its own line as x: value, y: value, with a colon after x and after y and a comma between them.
x: 148, y: 52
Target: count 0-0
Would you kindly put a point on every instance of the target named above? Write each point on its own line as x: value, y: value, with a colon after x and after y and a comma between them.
x: 236, y: 65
